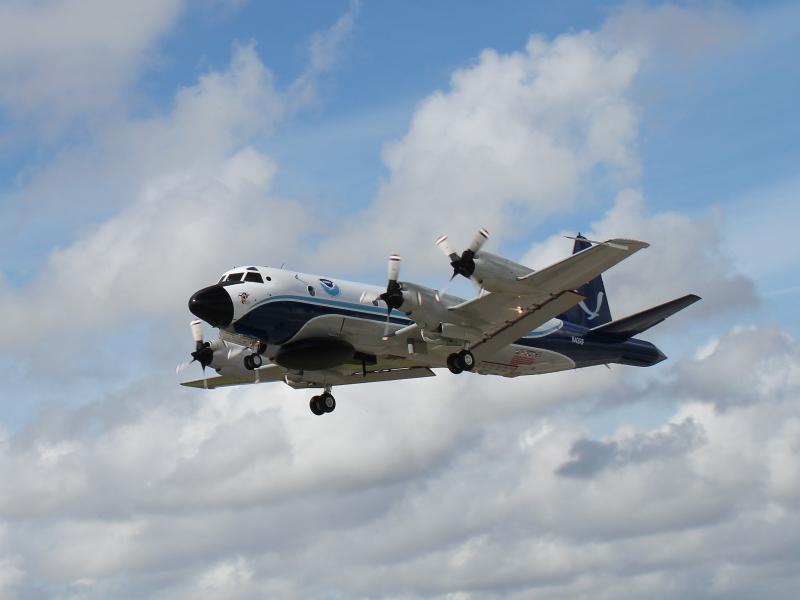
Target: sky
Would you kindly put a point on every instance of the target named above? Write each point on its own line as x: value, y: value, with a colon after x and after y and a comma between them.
x: 147, y: 147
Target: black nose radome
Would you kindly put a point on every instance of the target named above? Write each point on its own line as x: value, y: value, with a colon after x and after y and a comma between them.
x: 213, y: 305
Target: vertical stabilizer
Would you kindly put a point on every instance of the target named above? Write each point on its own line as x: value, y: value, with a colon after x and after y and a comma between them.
x: 594, y: 310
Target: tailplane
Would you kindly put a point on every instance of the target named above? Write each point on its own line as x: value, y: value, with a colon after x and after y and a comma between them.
x: 623, y: 329
x: 594, y: 310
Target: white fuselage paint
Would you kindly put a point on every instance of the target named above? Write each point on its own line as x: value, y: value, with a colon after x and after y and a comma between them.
x: 366, y: 334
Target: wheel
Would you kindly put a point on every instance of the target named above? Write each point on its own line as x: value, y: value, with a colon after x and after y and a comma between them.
x: 452, y: 364
x: 315, y: 406
x: 465, y: 360
x: 255, y: 360
x: 248, y: 362
x: 327, y: 402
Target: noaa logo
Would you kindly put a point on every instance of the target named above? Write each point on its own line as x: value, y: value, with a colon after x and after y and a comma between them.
x: 330, y: 287
x: 592, y: 314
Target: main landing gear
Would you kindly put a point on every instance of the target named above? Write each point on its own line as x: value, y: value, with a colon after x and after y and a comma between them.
x: 252, y: 361
x: 462, y: 361
x: 324, y: 403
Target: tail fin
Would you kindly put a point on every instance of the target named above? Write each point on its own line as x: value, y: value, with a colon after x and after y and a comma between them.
x: 593, y: 311
x: 642, y: 321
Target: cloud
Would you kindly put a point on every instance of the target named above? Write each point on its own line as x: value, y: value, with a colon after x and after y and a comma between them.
x: 324, y: 50
x: 673, y: 31
x: 747, y: 362
x: 186, y: 176
x: 462, y: 487
x: 244, y: 492
x: 686, y: 255
x: 589, y: 457
x: 68, y: 58
x: 515, y: 134
x: 203, y: 179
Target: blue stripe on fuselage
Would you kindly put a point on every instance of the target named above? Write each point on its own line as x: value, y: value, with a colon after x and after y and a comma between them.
x: 278, y: 319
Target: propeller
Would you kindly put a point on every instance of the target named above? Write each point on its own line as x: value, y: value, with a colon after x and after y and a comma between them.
x: 202, y: 351
x: 393, y: 296
x: 465, y: 264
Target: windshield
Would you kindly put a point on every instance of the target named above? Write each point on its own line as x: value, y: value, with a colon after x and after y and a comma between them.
x: 231, y: 277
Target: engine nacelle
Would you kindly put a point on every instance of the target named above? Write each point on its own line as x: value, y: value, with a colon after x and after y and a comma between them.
x: 424, y: 304
x: 228, y: 357
x: 498, y: 274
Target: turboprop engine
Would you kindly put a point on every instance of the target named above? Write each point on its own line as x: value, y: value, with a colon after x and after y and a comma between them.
x: 488, y: 271
x: 423, y: 303
x: 219, y: 355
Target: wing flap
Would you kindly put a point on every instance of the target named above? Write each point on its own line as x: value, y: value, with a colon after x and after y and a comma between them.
x: 527, y: 318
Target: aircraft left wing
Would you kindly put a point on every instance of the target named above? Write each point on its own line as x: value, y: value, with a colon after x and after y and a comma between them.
x: 503, y: 318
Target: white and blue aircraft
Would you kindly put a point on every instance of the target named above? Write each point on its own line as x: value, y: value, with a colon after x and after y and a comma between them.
x: 318, y: 332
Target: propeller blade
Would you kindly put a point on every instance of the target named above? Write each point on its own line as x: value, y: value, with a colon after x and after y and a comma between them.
x: 394, y: 267
x: 479, y: 240
x: 446, y: 286
x: 183, y: 366
x: 386, y: 325
x: 197, y: 333
x: 477, y: 285
x: 444, y: 245
x: 370, y: 298
x: 234, y: 352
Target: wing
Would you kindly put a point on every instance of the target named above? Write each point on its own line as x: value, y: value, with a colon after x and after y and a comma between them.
x: 343, y: 375
x: 577, y: 269
x: 505, y: 317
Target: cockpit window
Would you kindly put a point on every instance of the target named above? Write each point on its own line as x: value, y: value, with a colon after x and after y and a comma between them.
x: 234, y: 277
x: 250, y: 276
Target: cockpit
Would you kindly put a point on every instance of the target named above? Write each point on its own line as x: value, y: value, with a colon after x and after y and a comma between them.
x: 240, y: 275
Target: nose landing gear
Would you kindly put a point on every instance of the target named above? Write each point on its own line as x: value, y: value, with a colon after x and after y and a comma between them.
x: 324, y: 403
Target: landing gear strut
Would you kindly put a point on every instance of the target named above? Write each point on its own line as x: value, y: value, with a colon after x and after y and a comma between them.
x: 324, y: 403
x: 462, y: 361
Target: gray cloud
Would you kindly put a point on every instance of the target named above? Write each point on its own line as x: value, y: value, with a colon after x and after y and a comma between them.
x: 589, y: 457
x: 67, y: 58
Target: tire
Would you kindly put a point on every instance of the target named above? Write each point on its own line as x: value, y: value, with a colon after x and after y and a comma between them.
x: 327, y: 402
x: 315, y: 407
x: 255, y: 360
x: 465, y: 360
x: 248, y: 362
x: 452, y: 364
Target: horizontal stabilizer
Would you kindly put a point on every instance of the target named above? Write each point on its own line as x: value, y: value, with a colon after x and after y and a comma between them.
x: 623, y: 329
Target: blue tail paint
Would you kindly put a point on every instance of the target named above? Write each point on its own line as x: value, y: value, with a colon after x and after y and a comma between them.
x: 594, y: 310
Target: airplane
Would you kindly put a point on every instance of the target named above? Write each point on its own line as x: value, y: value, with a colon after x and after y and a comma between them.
x: 317, y: 332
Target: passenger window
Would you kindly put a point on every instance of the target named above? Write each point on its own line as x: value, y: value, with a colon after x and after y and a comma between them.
x: 311, y: 291
x: 250, y: 276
